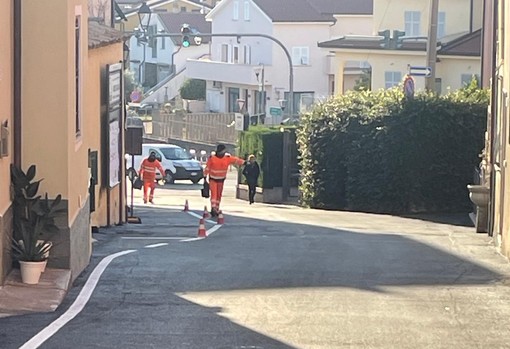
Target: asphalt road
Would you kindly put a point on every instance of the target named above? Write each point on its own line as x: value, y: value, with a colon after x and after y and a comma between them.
x: 282, y: 277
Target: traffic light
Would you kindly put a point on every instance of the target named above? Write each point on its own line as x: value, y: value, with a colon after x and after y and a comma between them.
x: 385, y: 42
x: 397, y: 34
x: 186, y: 31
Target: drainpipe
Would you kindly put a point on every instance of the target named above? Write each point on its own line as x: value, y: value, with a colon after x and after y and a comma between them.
x: 471, y: 6
x: 17, y: 84
x: 494, y: 108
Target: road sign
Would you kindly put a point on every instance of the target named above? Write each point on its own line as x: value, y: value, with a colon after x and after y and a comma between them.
x: 239, y: 126
x: 275, y: 111
x: 420, y: 71
x: 135, y: 96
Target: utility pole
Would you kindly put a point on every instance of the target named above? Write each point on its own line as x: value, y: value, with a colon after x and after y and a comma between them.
x: 430, y: 82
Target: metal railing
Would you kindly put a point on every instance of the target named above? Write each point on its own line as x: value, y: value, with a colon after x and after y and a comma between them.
x: 207, y: 128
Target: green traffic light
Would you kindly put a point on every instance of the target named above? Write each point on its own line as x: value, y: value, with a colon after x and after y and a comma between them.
x: 185, y: 41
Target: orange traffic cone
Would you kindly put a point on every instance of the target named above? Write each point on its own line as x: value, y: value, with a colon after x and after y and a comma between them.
x: 221, y: 219
x: 206, y: 214
x: 201, y: 229
x: 186, y: 206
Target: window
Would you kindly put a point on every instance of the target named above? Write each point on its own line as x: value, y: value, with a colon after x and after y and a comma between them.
x: 441, y: 24
x: 235, y: 15
x: 302, y: 101
x: 235, y: 54
x: 300, y: 56
x: 224, y: 53
x: 77, y: 73
x: 392, y: 78
x: 153, y: 42
x: 412, y: 23
x: 246, y: 10
x: 247, y: 54
x: 163, y: 43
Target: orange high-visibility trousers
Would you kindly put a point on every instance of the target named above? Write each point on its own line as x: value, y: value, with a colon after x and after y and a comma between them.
x: 148, y: 186
x: 216, y: 188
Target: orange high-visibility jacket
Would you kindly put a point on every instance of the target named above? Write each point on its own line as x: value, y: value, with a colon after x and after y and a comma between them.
x: 217, y: 167
x: 148, y: 170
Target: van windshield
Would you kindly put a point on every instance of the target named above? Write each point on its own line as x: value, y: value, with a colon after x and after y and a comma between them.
x: 175, y: 154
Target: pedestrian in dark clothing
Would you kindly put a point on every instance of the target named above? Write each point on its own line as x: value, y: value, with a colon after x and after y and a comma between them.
x: 252, y: 171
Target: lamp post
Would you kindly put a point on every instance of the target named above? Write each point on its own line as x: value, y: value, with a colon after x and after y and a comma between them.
x: 144, y: 16
x: 259, y: 71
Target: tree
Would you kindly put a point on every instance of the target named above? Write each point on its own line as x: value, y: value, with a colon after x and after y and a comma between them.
x: 193, y: 89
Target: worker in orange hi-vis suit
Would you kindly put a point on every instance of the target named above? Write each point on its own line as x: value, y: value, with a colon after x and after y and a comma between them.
x: 216, y: 168
x: 148, y: 175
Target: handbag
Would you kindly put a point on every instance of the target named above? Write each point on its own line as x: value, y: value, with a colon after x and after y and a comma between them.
x: 137, y: 183
x: 205, y: 189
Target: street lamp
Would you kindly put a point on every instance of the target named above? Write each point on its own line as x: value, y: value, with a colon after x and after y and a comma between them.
x: 144, y: 16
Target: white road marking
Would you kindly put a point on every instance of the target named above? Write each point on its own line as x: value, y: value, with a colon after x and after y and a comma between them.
x: 192, y: 239
x: 199, y: 216
x: 157, y: 245
x: 77, y: 306
x: 171, y: 207
x: 153, y: 237
x: 213, y: 229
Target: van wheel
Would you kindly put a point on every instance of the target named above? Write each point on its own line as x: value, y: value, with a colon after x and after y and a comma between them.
x: 169, y: 178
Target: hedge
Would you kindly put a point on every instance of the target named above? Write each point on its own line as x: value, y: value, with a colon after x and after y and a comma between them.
x: 377, y: 152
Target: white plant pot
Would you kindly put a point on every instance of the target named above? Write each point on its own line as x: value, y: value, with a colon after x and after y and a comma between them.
x: 43, y: 265
x: 30, y: 272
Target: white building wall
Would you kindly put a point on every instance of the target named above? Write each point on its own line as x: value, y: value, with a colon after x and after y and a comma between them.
x: 310, y: 77
x: 352, y: 25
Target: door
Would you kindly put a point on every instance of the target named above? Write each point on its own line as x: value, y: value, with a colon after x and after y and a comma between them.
x: 233, y: 96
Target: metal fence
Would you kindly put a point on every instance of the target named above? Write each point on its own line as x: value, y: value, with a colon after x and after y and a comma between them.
x: 207, y: 128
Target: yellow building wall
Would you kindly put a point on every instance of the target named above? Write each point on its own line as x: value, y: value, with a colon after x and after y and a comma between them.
x: 389, y: 14
x: 503, y: 57
x: 449, y: 69
x: 48, y: 107
x: 6, y: 112
x: 6, y: 96
x: 98, y: 59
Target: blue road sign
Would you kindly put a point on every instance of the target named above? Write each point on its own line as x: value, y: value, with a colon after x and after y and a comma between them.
x: 420, y: 71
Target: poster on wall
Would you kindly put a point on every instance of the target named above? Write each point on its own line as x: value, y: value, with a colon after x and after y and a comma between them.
x: 114, y: 158
x: 113, y: 134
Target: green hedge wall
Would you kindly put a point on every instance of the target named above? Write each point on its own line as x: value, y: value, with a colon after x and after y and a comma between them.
x: 376, y: 152
x: 267, y: 145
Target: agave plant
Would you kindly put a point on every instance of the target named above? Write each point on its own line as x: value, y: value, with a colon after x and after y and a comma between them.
x: 34, y: 217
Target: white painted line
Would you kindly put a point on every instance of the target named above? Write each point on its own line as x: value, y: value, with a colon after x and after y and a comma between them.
x: 199, y: 217
x: 153, y: 237
x: 213, y: 229
x: 157, y: 245
x: 193, y: 239
x: 77, y: 306
x: 171, y: 207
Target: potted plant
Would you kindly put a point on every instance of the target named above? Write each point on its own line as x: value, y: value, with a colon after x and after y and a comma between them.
x: 34, y: 223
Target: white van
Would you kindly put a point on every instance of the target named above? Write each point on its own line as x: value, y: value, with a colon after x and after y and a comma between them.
x: 176, y: 161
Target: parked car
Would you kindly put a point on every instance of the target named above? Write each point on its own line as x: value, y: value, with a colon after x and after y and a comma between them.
x: 176, y: 161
